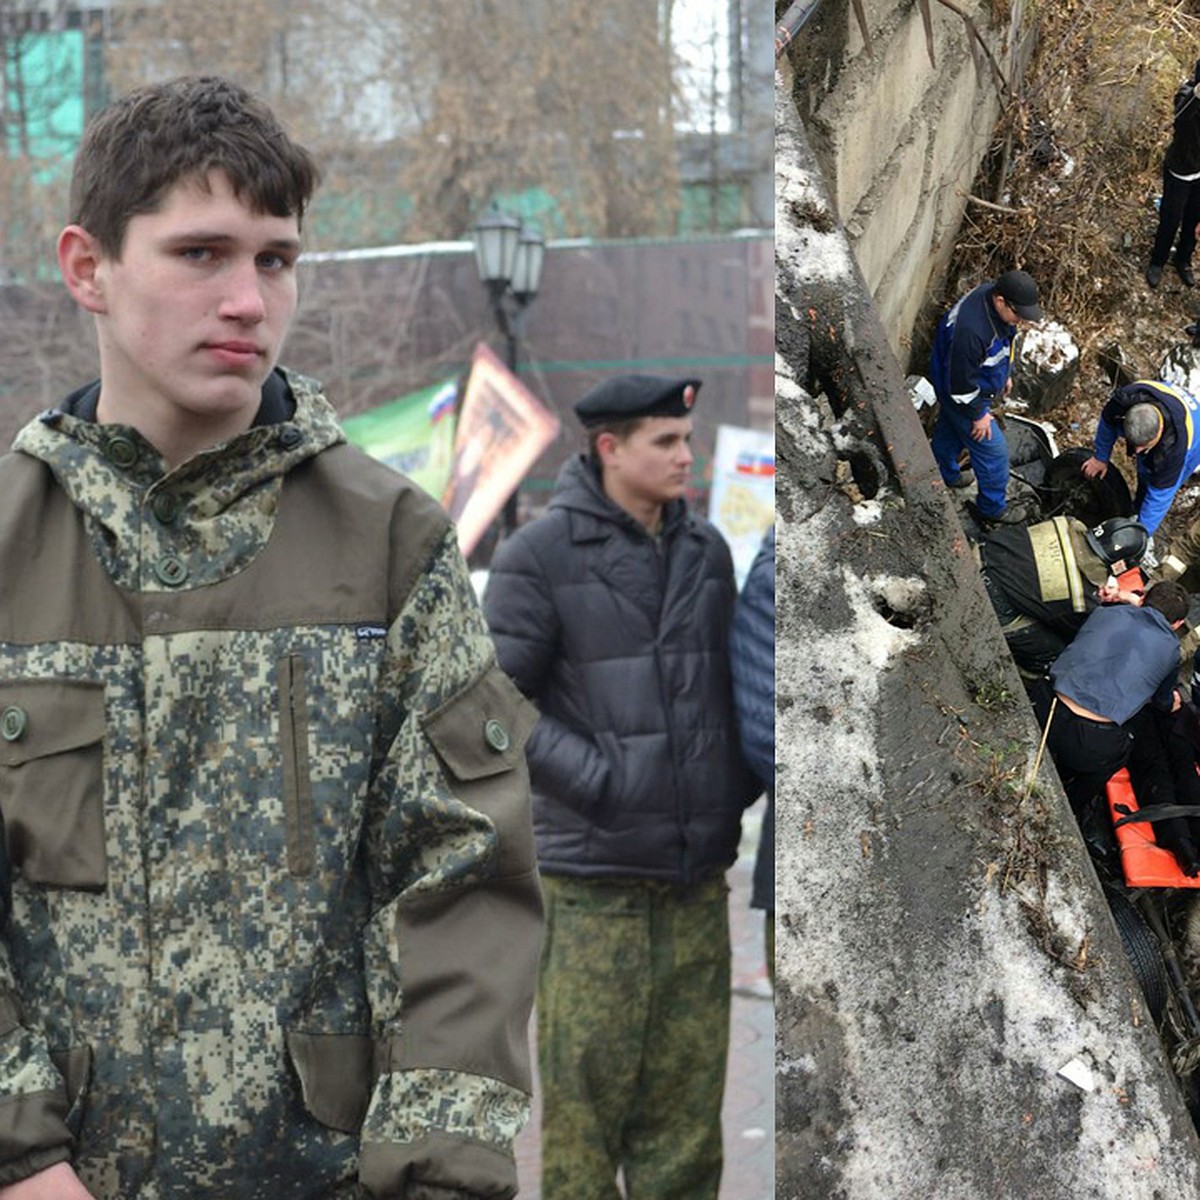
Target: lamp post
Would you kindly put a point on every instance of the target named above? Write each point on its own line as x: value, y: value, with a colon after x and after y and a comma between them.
x: 508, y: 256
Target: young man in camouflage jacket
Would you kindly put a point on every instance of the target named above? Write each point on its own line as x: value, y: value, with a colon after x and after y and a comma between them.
x: 271, y: 917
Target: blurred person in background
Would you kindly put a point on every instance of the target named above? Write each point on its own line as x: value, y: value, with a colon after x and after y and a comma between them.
x: 1179, y: 207
x: 752, y: 652
x: 612, y: 612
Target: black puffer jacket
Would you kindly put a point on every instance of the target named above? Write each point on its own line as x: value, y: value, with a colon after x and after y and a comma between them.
x: 1183, y: 154
x: 623, y: 645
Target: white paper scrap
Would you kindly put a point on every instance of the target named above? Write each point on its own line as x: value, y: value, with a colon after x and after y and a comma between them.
x: 1080, y: 1074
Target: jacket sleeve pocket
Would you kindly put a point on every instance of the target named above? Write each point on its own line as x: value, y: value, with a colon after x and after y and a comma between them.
x: 336, y: 1073
x: 52, y: 781
x: 479, y: 736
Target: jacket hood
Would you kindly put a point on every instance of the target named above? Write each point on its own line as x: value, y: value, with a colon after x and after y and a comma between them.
x: 154, y: 527
x: 579, y: 489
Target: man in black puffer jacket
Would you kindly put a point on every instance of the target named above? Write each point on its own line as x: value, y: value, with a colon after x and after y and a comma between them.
x: 612, y: 612
x: 1179, y: 209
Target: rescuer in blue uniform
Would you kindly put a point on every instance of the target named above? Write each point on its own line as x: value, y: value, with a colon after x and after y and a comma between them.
x: 969, y: 369
x: 1161, y: 427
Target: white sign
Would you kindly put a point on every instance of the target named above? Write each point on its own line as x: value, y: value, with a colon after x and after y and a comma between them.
x: 742, y: 503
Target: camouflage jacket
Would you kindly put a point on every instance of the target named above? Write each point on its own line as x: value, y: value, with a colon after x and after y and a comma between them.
x: 273, y: 914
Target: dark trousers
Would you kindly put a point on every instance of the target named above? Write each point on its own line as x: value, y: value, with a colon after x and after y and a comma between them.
x: 1086, y: 752
x: 1162, y: 769
x: 1177, y: 213
x: 1034, y: 646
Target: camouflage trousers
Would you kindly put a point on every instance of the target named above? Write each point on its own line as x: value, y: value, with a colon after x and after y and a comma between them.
x: 1186, y: 548
x: 633, y: 1036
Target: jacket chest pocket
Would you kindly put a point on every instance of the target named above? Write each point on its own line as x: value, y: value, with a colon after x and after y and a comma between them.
x: 52, y: 781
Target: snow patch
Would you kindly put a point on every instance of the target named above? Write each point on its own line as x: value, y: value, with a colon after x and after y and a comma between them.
x: 812, y: 253
x: 1049, y: 347
x: 804, y: 417
x: 869, y: 512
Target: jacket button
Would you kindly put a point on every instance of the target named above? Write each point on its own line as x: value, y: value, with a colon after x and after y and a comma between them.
x: 13, y: 722
x: 170, y: 570
x: 290, y: 437
x: 121, y: 451
x: 165, y: 507
x: 496, y: 736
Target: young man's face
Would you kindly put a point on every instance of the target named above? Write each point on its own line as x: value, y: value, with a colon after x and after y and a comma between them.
x: 652, y: 464
x: 192, y: 316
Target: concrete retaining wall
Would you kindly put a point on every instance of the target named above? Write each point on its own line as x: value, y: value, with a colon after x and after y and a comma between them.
x: 899, y: 138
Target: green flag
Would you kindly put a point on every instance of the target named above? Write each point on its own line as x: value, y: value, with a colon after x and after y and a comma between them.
x: 414, y: 434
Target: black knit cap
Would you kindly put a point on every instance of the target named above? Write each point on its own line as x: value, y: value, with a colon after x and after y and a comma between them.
x: 627, y: 396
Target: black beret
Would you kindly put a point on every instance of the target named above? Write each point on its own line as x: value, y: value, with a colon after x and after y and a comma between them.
x: 626, y: 396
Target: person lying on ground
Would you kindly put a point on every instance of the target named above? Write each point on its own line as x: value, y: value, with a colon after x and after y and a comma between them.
x: 1043, y: 580
x: 1124, y: 657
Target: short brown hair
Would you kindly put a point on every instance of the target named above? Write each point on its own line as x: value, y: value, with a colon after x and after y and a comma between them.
x: 619, y: 429
x: 137, y: 148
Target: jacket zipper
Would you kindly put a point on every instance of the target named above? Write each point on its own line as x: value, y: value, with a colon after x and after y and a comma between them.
x: 297, y: 784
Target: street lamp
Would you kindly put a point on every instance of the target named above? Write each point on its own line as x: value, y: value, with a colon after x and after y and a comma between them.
x: 508, y: 256
x: 496, y: 236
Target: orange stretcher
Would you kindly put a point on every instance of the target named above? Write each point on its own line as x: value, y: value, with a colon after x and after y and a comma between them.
x: 1144, y: 862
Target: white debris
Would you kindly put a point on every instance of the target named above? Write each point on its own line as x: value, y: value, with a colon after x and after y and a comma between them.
x: 869, y: 512
x: 1181, y: 367
x: 1080, y: 1074
x: 1049, y: 347
x: 921, y: 391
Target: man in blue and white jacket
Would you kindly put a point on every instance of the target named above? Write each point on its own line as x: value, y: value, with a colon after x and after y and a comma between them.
x: 1161, y: 427
x: 969, y: 369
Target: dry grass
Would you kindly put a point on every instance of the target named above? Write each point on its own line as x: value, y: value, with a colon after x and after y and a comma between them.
x: 1077, y: 157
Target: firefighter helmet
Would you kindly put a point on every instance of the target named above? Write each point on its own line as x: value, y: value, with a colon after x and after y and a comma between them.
x: 1117, y: 539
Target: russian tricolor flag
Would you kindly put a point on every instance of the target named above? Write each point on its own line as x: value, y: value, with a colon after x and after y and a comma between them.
x: 750, y: 463
x: 444, y: 401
